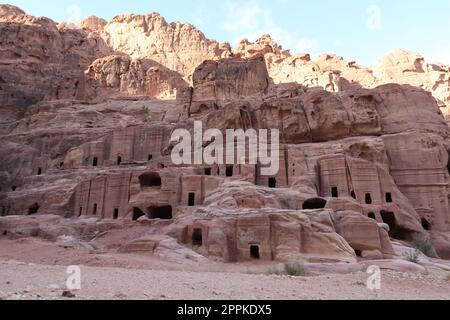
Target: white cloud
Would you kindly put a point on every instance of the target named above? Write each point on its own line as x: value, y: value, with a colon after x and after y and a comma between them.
x: 250, y: 20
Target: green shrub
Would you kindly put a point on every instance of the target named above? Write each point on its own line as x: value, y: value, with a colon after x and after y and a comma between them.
x: 424, y: 245
x: 295, y: 268
x: 413, y: 256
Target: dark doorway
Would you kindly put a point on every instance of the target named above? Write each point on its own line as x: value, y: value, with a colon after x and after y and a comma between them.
x: 61, y: 164
x: 425, y: 224
x: 150, y: 157
x: 389, y: 219
x: 33, y: 209
x: 314, y: 203
x: 448, y: 164
x: 272, y: 182
x: 13, y: 188
x: 388, y: 197
x: 197, y: 237
x: 353, y: 194
x: 162, y: 212
x: 148, y: 180
x: 95, y: 161
x: 229, y: 171
x: 137, y: 213
x: 116, y: 213
x: 39, y: 171
x: 254, y: 252
x: 358, y: 253
x: 80, y: 212
x: 368, y: 198
x: 207, y: 171
x: 334, y: 192
x: 94, y: 211
x: 191, y: 201
x: 371, y: 215
x: 395, y: 231
x: 119, y: 160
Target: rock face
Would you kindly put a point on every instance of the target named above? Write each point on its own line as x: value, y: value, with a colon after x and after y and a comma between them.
x: 406, y: 67
x: 131, y: 55
x: 230, y: 79
x: 363, y: 156
x: 118, y: 74
x: 334, y: 74
x: 180, y: 47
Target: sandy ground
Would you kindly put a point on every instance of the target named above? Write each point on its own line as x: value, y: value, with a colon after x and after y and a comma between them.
x: 30, y: 281
x: 32, y: 269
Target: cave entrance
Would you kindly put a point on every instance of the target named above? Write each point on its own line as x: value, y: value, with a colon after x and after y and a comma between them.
x: 94, y: 161
x: 207, y: 171
x: 368, y: 198
x: 39, y: 171
x: 425, y: 224
x: 272, y: 182
x: 448, y: 164
x: 229, y: 171
x: 119, y: 160
x: 137, y: 213
x: 254, y: 251
x: 389, y: 218
x: 314, y: 203
x: 191, y: 200
x: 150, y: 180
x: 94, y: 211
x: 334, y: 192
x: 371, y: 215
x: 116, y: 213
x: 33, y: 209
x: 161, y: 212
x: 395, y: 231
x: 80, y: 212
x: 388, y: 197
x: 197, y: 237
x: 353, y: 194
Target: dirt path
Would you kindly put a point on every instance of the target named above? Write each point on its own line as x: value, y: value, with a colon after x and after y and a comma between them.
x: 20, y: 280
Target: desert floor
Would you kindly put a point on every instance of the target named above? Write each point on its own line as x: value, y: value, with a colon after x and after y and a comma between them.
x: 32, y: 269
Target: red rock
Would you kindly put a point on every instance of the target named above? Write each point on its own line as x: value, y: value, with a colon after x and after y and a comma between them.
x: 363, y: 157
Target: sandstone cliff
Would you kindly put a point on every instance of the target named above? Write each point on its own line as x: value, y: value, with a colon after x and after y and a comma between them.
x: 364, y: 155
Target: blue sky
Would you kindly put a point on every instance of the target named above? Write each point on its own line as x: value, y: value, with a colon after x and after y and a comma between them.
x: 360, y: 30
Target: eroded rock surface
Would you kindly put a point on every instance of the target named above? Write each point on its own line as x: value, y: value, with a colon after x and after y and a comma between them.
x: 364, y: 154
